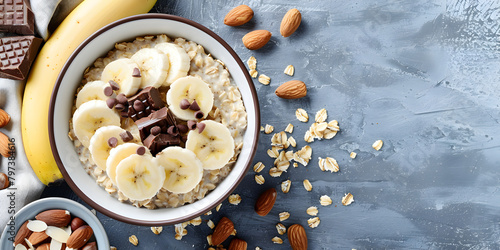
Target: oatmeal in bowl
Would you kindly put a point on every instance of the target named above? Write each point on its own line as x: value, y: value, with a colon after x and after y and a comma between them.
x: 160, y: 122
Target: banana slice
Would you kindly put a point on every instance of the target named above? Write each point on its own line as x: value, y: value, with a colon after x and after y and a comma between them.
x: 190, y: 88
x: 214, y: 146
x: 92, y: 91
x: 179, y: 61
x: 99, y: 144
x: 139, y: 177
x: 183, y: 171
x: 122, y: 72
x: 90, y: 116
x: 154, y: 66
x: 116, y: 155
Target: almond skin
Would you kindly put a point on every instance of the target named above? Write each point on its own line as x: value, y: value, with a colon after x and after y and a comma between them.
x: 4, y: 181
x: 224, y: 228
x: 238, y: 16
x: 55, y: 217
x: 4, y: 145
x: 290, y: 22
x: 256, y: 39
x: 76, y: 223
x: 44, y: 246
x: 4, y: 118
x: 297, y: 237
x: 237, y: 244
x: 22, y: 233
x: 80, y: 237
x: 37, y: 237
x: 265, y: 202
x: 291, y: 90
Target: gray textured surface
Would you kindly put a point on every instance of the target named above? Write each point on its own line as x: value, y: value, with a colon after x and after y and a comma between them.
x: 420, y: 75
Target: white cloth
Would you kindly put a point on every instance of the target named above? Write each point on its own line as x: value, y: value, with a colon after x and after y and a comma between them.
x: 43, y: 11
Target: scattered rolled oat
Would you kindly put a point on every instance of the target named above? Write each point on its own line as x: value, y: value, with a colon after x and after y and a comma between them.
x: 258, y: 248
x: 292, y: 141
x: 313, y: 222
x: 112, y: 248
x: 281, y: 228
x: 285, y: 186
x: 196, y: 221
x: 264, y: 79
x: 133, y: 239
x: 234, y: 232
x: 308, y: 136
x: 321, y: 116
x: 347, y: 199
x: 268, y: 129
x: 259, y: 179
x: 353, y: 155
x: 331, y: 130
x: 217, y: 208
x: 180, y: 230
x: 275, y: 172
x: 295, y: 165
x: 262, y: 128
x: 313, y: 211
x: 234, y: 199
x: 273, y: 153
x: 328, y: 164
x: 284, y: 216
x: 209, y: 212
x: 303, y: 155
x: 289, y: 128
x: 252, y: 63
x: 210, y: 224
x: 289, y: 70
x: 307, y: 185
x: 301, y: 115
x: 325, y: 200
x: 377, y: 145
x: 254, y: 73
x: 209, y: 239
x: 156, y: 230
x: 259, y: 166
x: 277, y: 240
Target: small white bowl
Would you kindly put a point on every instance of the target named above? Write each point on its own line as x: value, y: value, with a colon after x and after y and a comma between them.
x: 29, y: 212
x: 97, y: 45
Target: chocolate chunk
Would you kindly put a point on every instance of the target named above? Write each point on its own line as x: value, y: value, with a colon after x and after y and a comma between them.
x: 141, y: 150
x: 182, y: 128
x: 114, y: 85
x: 138, y: 106
x: 119, y: 107
x: 111, y: 102
x: 124, y: 113
x: 194, y: 106
x: 191, y: 124
x: 150, y: 99
x: 112, y: 142
x: 136, y: 73
x: 200, y: 126
x: 108, y: 91
x: 184, y: 104
x: 184, y: 138
x: 161, y: 118
x: 155, y: 130
x: 156, y: 143
x: 198, y: 114
x: 172, y: 130
x: 16, y: 17
x: 16, y: 55
x: 126, y: 136
x: 122, y: 99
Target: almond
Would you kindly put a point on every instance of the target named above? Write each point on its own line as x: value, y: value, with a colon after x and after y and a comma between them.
x: 22, y: 233
x: 37, y: 237
x: 224, y: 228
x: 4, y: 145
x: 44, y: 246
x: 80, y: 237
x: 256, y: 39
x: 297, y: 237
x: 90, y: 246
x: 55, y: 217
x: 76, y: 223
x: 265, y: 202
x: 238, y: 16
x: 4, y: 118
x: 290, y: 22
x: 237, y: 244
x: 4, y: 181
x: 291, y: 90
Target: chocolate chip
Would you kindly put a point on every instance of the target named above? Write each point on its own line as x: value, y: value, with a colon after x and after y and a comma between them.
x: 200, y: 126
x: 111, y: 102
x: 126, y: 136
x: 155, y: 130
x: 108, y: 91
x: 172, y: 130
x: 138, y: 105
x: 112, y: 142
x: 141, y: 150
x: 136, y: 73
x: 119, y: 107
x: 121, y: 98
x: 182, y: 128
x: 194, y: 106
x: 124, y: 114
x: 198, y: 114
x: 114, y: 85
x: 191, y: 124
x: 184, y: 104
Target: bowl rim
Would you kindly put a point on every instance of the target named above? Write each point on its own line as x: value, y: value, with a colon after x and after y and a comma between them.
x: 55, y: 90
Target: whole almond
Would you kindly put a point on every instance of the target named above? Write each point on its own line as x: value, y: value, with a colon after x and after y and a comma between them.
x: 297, y: 237
x: 4, y: 181
x: 76, y: 223
x: 238, y: 16
x: 256, y: 39
x: 37, y: 237
x: 44, y: 246
x: 80, y: 237
x: 224, y: 228
x: 4, y: 118
x: 265, y: 202
x: 237, y: 244
x: 55, y: 217
x: 291, y: 90
x: 22, y: 233
x: 4, y: 145
x: 90, y: 246
x: 290, y: 22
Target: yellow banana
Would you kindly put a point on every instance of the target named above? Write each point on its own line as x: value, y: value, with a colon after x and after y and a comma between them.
x: 84, y: 20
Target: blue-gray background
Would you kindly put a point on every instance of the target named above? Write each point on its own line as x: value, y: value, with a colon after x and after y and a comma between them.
x: 421, y: 75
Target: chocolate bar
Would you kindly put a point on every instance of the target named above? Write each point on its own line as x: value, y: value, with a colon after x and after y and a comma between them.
x: 156, y: 143
x: 16, y: 17
x: 161, y: 118
x: 16, y: 55
x: 144, y: 102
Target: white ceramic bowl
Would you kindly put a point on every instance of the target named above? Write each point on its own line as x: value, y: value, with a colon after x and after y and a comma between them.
x: 97, y: 45
x: 29, y: 212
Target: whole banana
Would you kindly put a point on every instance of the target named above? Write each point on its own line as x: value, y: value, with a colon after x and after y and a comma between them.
x: 84, y: 20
